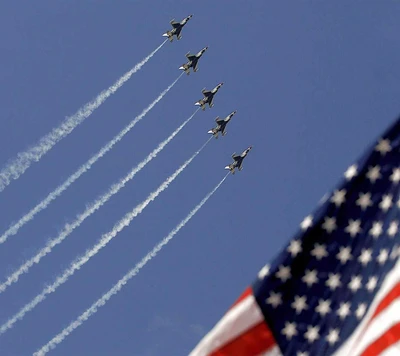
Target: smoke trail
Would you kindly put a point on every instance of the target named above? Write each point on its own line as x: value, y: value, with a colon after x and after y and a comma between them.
x: 118, y: 286
x: 22, y: 162
x: 69, y: 227
x: 13, y: 229
x: 105, y: 239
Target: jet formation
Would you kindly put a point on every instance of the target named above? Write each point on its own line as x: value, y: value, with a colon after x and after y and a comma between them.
x: 208, y: 95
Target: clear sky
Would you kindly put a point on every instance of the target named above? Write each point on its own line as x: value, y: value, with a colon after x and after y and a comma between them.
x: 313, y: 83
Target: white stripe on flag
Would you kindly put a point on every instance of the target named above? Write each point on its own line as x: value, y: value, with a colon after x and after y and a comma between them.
x: 348, y: 348
x: 393, y: 350
x: 235, y: 322
x: 379, y: 325
x: 275, y: 351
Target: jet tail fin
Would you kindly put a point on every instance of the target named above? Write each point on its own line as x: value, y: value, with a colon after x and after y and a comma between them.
x: 201, y: 104
x: 185, y: 68
x: 232, y: 169
x: 169, y: 35
x: 214, y: 133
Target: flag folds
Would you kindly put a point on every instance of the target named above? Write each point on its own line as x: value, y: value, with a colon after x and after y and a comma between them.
x: 335, y: 287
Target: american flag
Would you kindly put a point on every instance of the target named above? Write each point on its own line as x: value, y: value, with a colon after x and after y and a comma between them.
x: 335, y: 287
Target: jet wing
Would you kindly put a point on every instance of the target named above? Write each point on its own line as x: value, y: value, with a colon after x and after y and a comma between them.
x: 240, y: 166
x: 178, y: 31
x: 190, y: 57
x: 219, y: 121
x: 175, y: 24
x: 236, y: 158
x: 206, y: 93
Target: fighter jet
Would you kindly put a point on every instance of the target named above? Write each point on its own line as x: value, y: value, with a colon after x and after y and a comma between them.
x: 176, y: 28
x: 221, y: 125
x: 192, y: 61
x: 238, y: 160
x: 208, y: 97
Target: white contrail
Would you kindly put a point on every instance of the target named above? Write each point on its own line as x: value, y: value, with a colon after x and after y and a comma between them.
x: 97, y: 204
x: 13, y: 229
x: 22, y: 162
x: 118, y: 286
x: 104, y: 240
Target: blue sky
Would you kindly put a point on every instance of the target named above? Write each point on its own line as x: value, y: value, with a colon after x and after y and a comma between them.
x: 313, y: 83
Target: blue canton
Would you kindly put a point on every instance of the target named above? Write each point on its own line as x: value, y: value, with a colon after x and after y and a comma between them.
x: 321, y: 285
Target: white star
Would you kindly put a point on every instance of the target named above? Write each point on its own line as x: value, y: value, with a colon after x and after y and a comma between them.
x: 307, y: 222
x: 274, y: 299
x: 395, y: 252
x: 344, y: 255
x: 351, y: 172
x: 284, y: 273
x: 383, y: 256
x: 344, y: 310
x: 289, y: 330
x: 364, y: 200
x: 383, y: 146
x: 365, y: 256
x: 310, y: 277
x: 333, y: 281
x: 338, y: 197
x: 333, y: 336
x: 362, y: 308
x: 263, y: 272
x: 354, y: 227
x: 395, y: 177
x: 324, y: 307
x: 299, y: 304
x: 376, y: 229
x: 294, y: 248
x: 393, y: 228
x: 319, y: 252
x: 372, y: 283
x: 355, y: 283
x: 374, y: 174
x: 386, y: 202
x: 329, y: 224
x: 312, y: 333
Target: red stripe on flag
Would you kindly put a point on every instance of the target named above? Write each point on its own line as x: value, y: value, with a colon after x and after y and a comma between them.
x: 389, y: 298
x: 252, y: 342
x: 387, y: 339
x: 248, y: 291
